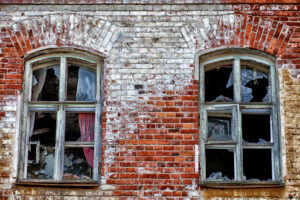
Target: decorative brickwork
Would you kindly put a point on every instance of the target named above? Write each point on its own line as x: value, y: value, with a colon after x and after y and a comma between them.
x: 150, y: 146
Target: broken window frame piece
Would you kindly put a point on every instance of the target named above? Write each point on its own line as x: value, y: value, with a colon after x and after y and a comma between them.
x: 238, y: 108
x: 61, y: 107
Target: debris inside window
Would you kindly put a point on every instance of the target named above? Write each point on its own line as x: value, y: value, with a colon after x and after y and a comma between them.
x: 220, y: 161
x: 218, y: 176
x: 255, y: 83
x: 216, y: 87
x: 81, y: 84
x: 219, y: 128
x: 257, y: 164
x: 45, y: 84
x: 42, y: 146
x: 256, y: 128
x: 76, y: 165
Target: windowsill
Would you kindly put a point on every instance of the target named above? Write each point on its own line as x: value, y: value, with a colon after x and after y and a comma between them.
x: 64, y: 183
x: 242, y: 184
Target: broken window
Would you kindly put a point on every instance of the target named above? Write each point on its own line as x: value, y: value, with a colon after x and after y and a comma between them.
x: 218, y: 82
x: 62, y: 114
x: 238, y: 120
x: 219, y: 127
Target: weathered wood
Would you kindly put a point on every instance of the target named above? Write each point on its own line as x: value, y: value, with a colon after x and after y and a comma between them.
x: 242, y: 184
x: 79, y: 144
x: 236, y: 109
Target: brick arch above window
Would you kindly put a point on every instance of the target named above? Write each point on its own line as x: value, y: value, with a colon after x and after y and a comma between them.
x: 64, y: 30
x: 237, y: 30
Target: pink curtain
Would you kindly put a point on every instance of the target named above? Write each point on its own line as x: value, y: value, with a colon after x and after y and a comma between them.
x: 86, y: 124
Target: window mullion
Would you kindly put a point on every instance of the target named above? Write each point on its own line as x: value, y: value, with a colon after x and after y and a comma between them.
x: 239, y: 147
x: 237, y: 80
x: 60, y: 124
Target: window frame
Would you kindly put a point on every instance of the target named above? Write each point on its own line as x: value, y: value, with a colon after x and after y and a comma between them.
x: 238, y: 107
x: 61, y: 107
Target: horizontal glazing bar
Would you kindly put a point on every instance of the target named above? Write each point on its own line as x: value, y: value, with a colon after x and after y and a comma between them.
x: 74, y: 109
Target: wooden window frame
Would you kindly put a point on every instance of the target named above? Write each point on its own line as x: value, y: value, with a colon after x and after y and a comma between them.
x: 61, y: 107
x: 238, y: 107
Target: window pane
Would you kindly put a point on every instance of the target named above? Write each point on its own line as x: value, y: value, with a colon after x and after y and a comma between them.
x: 80, y: 127
x: 81, y: 84
x: 78, y: 163
x: 257, y: 164
x: 45, y: 84
x: 256, y: 128
x: 255, y: 82
x: 219, y: 128
x: 219, y: 82
x: 220, y: 164
x: 42, y: 145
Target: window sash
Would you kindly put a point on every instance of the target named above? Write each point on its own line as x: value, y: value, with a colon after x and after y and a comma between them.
x: 61, y: 107
x: 238, y: 108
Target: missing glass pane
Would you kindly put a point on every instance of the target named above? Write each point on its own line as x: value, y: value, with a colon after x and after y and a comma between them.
x: 41, y: 145
x: 255, y: 82
x: 219, y: 128
x: 257, y: 164
x: 219, y: 83
x: 256, y: 128
x: 81, y: 85
x: 219, y: 164
x: 80, y: 127
x: 78, y: 163
x: 45, y: 84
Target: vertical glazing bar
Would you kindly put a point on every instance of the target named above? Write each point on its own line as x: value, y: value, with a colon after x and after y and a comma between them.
x: 62, y: 79
x: 237, y: 80
x: 239, y: 147
x: 59, y: 144
x: 60, y: 123
x: 97, y: 131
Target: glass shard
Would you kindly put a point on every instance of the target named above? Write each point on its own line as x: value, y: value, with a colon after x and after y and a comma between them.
x: 41, y: 146
x: 256, y: 128
x: 219, y: 128
x: 257, y: 164
x: 255, y: 83
x: 220, y: 164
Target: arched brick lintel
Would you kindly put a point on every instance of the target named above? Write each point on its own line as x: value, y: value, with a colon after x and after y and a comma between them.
x: 64, y: 30
x: 238, y: 31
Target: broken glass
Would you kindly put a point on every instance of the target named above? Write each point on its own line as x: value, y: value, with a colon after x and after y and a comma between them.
x: 81, y: 84
x: 256, y: 128
x: 45, y: 84
x: 220, y: 161
x: 41, y: 146
x: 219, y: 128
x: 80, y: 127
x: 257, y: 164
x: 217, y: 88
x: 76, y: 165
x: 255, y: 83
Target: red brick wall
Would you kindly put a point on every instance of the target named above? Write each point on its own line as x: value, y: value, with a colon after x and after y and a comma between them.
x: 150, y: 119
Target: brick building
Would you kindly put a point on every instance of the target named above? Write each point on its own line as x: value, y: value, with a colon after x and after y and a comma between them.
x: 147, y: 99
